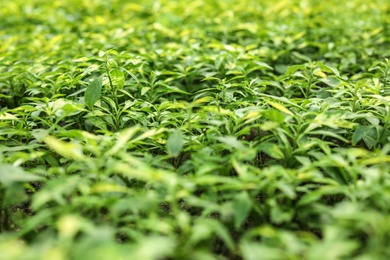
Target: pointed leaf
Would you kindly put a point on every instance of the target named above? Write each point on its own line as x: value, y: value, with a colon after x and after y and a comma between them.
x: 93, y: 92
x: 280, y: 107
x: 359, y: 133
x: 272, y: 150
x: 242, y: 206
x: 292, y: 69
x: 123, y: 138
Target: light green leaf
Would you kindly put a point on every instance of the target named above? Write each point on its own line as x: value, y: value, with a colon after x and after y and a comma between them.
x: 144, y: 90
x: 153, y: 248
x: 112, y: 52
x: 10, y: 174
x: 148, y: 134
x: 252, y: 251
x: 287, y: 190
x: 69, y: 225
x: 263, y: 65
x: 175, y: 143
x: 65, y: 149
x: 123, y: 138
x: 8, y: 116
x: 118, y: 78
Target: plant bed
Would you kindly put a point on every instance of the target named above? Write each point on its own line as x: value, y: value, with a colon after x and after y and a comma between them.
x: 194, y: 130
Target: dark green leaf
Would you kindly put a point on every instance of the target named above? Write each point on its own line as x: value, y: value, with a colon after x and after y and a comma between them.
x: 359, y: 133
x: 242, y: 205
x: 93, y: 92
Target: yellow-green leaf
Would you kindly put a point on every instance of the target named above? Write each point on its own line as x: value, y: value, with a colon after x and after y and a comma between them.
x: 65, y: 149
x: 280, y: 107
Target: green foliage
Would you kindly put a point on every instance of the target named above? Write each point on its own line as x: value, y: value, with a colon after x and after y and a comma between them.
x: 194, y: 129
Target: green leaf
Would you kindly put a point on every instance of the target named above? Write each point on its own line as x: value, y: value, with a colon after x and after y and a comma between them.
x: 10, y: 174
x: 66, y: 149
x: 280, y: 107
x: 205, y: 229
x: 112, y: 52
x: 335, y: 244
x: 315, y: 195
x: 97, y: 122
x: 223, y: 233
x: 359, y: 133
x: 153, y: 247
x: 93, y: 92
x: 263, y: 65
x: 328, y: 133
x: 118, y: 78
x: 51, y: 159
x: 331, y: 81
x: 280, y: 214
x: 144, y: 90
x: 231, y: 142
x: 252, y: 251
x: 242, y: 205
x: 287, y: 190
x: 56, y: 190
x: 301, y: 56
x: 175, y: 142
x: 8, y: 116
x: 292, y: 69
x: 272, y: 150
x: 328, y: 68
x: 371, y: 137
x: 274, y: 115
x: 122, y: 139
x: 14, y: 194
